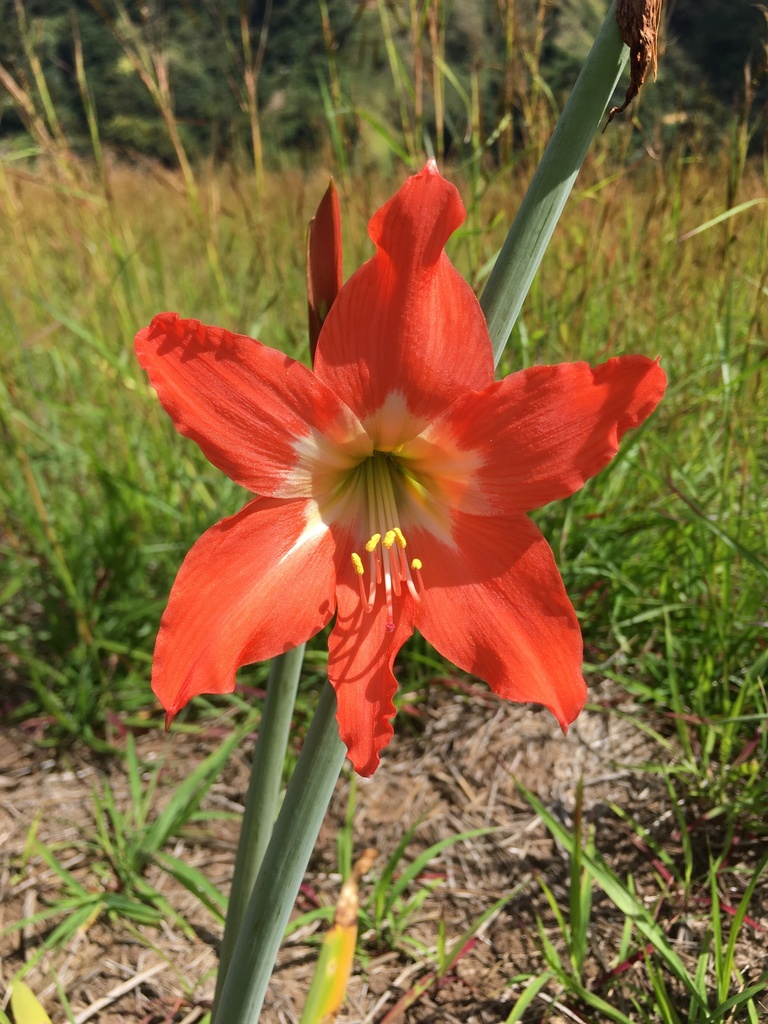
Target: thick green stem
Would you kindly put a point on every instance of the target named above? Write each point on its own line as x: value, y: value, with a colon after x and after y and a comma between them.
x: 293, y: 838
x: 263, y: 795
x: 532, y: 229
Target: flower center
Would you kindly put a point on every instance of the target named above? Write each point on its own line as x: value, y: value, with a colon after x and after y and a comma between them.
x: 384, y: 551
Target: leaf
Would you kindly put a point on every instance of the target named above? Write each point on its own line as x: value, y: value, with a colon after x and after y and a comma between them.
x: 721, y: 217
x: 617, y: 892
x: 25, y: 1007
x: 334, y: 965
x: 194, y: 881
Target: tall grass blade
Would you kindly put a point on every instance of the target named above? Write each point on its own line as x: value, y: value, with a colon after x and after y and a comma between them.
x: 615, y: 891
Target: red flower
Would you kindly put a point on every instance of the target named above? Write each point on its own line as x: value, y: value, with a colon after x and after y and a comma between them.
x: 393, y: 483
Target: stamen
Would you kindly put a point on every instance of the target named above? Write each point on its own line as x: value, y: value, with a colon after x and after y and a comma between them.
x: 375, y: 567
x: 391, y: 580
x: 394, y: 564
x: 390, y: 613
x: 416, y: 565
x: 386, y: 543
x: 403, y: 563
x: 357, y: 564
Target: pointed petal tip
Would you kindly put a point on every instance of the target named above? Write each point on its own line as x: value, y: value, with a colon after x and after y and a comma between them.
x: 413, y: 227
x: 364, y: 747
x: 569, y: 705
x: 169, y: 717
x: 565, y: 707
x: 565, y: 719
x: 366, y: 770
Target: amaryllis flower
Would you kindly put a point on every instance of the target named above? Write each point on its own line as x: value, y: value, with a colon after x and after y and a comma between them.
x: 393, y: 484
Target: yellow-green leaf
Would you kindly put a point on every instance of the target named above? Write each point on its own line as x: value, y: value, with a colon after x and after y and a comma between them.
x: 334, y: 965
x: 25, y: 1007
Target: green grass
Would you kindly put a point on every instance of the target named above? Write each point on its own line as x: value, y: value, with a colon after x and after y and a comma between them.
x: 663, y: 554
x: 706, y: 994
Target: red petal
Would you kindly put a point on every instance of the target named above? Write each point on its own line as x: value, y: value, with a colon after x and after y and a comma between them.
x: 496, y: 607
x: 324, y: 264
x: 407, y: 321
x: 539, y: 434
x: 253, y: 586
x: 361, y: 652
x: 262, y: 418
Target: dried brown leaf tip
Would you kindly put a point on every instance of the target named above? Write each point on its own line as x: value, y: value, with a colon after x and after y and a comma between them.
x: 638, y: 22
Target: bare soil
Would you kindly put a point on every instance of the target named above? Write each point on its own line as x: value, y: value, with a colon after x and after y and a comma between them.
x: 453, y: 769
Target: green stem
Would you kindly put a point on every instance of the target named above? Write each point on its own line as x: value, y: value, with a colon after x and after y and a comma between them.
x: 293, y: 838
x: 532, y: 229
x: 263, y: 795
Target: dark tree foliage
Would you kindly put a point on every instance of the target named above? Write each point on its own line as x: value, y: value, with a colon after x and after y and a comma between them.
x: 295, y: 63
x: 710, y: 41
x: 184, y: 33
x: 720, y: 38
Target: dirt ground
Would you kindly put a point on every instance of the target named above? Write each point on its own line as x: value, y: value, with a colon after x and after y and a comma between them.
x: 457, y: 771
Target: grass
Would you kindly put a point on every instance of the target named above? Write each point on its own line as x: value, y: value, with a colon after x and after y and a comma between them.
x: 663, y: 554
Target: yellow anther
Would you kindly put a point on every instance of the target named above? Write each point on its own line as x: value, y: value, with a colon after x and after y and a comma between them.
x: 415, y: 563
x: 371, y: 544
x: 389, y: 539
x: 357, y: 562
x: 400, y: 538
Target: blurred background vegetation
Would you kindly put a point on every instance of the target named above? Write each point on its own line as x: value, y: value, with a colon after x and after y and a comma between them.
x: 277, y: 67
